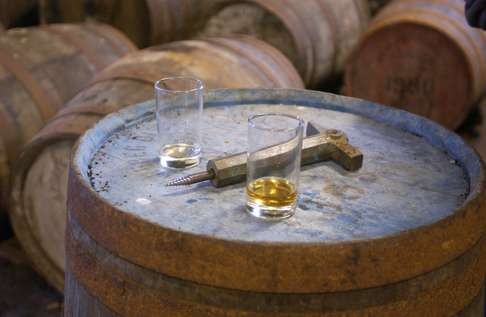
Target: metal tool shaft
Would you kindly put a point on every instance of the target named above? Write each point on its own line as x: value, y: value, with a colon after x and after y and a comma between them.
x: 329, y: 145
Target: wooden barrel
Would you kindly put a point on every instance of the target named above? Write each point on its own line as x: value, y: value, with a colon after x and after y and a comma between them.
x: 39, y: 216
x: 12, y: 11
x: 40, y: 69
x: 402, y: 236
x: 421, y: 56
x: 152, y: 22
x: 316, y: 35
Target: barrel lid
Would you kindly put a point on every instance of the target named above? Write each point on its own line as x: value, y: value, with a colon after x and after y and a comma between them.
x: 413, y: 206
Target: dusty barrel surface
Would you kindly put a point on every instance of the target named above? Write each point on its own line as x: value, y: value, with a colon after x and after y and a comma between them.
x: 39, y: 216
x: 423, y: 57
x: 403, y: 236
x: 316, y: 35
x: 41, y: 68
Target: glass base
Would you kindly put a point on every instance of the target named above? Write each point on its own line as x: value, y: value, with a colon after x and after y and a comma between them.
x: 178, y: 156
x: 270, y: 213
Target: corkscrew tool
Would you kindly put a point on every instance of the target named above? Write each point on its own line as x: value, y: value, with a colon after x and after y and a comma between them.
x: 317, y: 146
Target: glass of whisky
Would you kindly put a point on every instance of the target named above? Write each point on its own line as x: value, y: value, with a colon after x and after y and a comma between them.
x: 273, y: 165
x: 179, y: 106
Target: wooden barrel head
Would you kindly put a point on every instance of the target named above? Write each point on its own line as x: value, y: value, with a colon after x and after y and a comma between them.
x: 251, y: 19
x: 408, y: 54
x: 394, y: 68
x: 416, y: 200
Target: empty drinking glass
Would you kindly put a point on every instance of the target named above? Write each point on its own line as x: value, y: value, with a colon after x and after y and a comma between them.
x: 179, y: 106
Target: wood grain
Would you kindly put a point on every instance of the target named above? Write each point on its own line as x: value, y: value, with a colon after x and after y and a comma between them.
x: 41, y: 214
x: 317, y: 35
x: 41, y: 68
x: 408, y: 54
x: 408, y: 219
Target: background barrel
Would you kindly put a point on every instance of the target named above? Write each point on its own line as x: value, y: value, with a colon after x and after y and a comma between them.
x: 146, y: 22
x: 39, y: 195
x: 317, y: 37
x: 423, y: 57
x: 12, y: 11
x: 40, y: 69
x: 401, y: 236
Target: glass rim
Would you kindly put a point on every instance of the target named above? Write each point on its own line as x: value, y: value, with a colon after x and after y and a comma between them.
x: 198, y: 84
x: 253, y: 124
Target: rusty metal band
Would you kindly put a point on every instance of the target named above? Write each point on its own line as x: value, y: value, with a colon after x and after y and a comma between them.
x: 122, y: 286
x: 90, y: 54
x: 44, y: 103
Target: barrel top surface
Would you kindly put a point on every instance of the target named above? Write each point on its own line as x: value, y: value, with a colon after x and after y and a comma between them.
x: 414, y: 172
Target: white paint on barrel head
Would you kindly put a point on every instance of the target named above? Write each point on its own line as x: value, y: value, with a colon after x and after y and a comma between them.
x: 45, y: 198
x: 404, y: 183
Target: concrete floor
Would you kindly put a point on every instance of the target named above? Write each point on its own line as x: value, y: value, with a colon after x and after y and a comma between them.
x: 23, y: 293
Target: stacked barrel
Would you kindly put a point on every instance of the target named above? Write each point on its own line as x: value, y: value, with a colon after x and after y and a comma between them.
x: 49, y: 65
x: 404, y: 58
x: 41, y: 68
x: 421, y: 56
x: 317, y: 37
x: 41, y: 173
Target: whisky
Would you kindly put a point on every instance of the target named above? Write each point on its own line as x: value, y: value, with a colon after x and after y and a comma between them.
x: 271, y: 192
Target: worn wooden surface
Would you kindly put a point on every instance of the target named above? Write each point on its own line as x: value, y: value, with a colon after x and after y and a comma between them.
x: 408, y: 54
x: 317, y: 37
x: 418, y: 201
x: 82, y: 304
x: 40, y: 69
x: 34, y: 83
x: 241, y: 62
